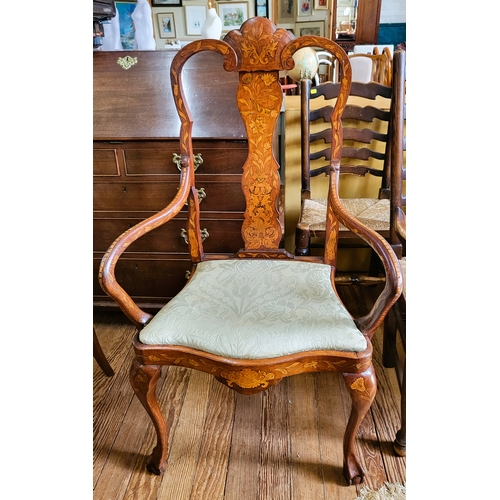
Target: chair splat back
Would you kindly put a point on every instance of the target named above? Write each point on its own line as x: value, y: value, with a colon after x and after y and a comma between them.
x: 258, y: 52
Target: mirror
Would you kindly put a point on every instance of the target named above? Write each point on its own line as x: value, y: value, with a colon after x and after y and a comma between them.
x: 345, y: 21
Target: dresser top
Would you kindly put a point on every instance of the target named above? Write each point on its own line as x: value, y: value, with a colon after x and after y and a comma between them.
x: 137, y: 103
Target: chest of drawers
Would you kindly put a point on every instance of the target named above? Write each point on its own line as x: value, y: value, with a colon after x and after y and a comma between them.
x: 135, y: 167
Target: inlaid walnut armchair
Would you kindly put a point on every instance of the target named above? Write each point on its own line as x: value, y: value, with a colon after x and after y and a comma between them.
x: 263, y: 314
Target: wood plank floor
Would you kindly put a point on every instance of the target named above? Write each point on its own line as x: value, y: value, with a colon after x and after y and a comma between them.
x: 282, y: 444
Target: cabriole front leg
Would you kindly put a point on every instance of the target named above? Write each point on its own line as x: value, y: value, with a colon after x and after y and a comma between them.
x: 143, y: 379
x: 362, y: 389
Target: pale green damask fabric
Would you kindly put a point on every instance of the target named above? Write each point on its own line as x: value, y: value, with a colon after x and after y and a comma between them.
x: 255, y: 309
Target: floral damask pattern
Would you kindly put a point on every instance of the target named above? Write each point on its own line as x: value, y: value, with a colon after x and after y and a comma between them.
x: 253, y: 309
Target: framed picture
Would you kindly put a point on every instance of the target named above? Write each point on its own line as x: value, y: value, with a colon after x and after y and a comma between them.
x: 286, y: 11
x: 304, y: 8
x: 127, y: 33
x: 195, y: 18
x: 232, y: 14
x: 261, y: 8
x: 166, y: 25
x: 169, y: 3
x: 315, y: 28
x: 320, y: 4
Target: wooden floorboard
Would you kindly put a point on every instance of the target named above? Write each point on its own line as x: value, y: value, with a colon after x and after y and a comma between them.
x: 282, y: 444
x: 243, y: 472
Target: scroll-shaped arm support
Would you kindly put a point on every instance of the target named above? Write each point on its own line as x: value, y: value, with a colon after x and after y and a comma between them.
x: 393, y: 274
x: 107, y: 276
x: 400, y: 222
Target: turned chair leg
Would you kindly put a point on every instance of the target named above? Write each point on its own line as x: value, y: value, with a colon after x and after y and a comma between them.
x: 389, y: 341
x: 302, y: 237
x: 362, y: 388
x: 400, y: 441
x: 101, y: 358
x: 144, y: 379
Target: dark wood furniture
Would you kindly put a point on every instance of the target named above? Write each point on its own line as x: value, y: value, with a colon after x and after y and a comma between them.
x: 262, y: 314
x: 100, y: 357
x: 367, y: 24
x: 395, y: 321
x: 366, y: 150
x: 394, y: 352
x: 136, y: 130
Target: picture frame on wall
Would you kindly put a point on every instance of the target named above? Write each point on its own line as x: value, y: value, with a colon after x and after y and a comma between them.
x: 232, y: 14
x: 314, y: 28
x: 261, y: 8
x: 286, y: 11
x: 195, y: 18
x: 166, y: 24
x: 127, y: 32
x: 321, y: 4
x: 304, y: 8
x: 166, y: 3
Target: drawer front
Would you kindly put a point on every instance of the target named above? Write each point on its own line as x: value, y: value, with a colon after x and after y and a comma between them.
x: 224, y: 195
x: 151, y: 280
x: 223, y: 236
x: 141, y: 158
x: 106, y: 162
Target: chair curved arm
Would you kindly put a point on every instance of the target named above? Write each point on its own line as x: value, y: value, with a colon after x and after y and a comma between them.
x: 400, y: 223
x: 394, y: 277
x: 107, y: 277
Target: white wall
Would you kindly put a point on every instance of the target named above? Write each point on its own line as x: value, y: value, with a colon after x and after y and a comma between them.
x: 393, y: 11
x: 180, y: 20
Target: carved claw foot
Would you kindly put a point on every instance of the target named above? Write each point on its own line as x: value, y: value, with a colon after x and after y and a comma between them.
x: 151, y: 467
x: 156, y: 464
x: 353, y: 471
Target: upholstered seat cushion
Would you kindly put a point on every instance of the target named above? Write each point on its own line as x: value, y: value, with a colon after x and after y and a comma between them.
x: 372, y: 212
x: 256, y: 309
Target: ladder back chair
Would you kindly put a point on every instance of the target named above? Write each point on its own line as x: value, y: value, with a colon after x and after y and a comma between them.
x: 394, y: 353
x: 262, y: 314
x: 371, y: 137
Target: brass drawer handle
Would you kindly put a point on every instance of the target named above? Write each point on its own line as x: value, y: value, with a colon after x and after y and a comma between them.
x: 201, y: 195
x: 198, y: 160
x: 204, y: 235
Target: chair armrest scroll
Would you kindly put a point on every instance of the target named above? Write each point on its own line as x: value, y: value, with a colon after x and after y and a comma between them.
x: 394, y: 277
x: 107, y: 277
x: 400, y: 223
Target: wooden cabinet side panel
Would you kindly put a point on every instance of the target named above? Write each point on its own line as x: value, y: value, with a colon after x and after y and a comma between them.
x: 368, y: 21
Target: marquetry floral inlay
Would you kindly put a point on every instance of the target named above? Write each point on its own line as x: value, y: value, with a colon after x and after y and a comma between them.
x: 248, y: 379
x: 259, y: 100
x: 358, y: 385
